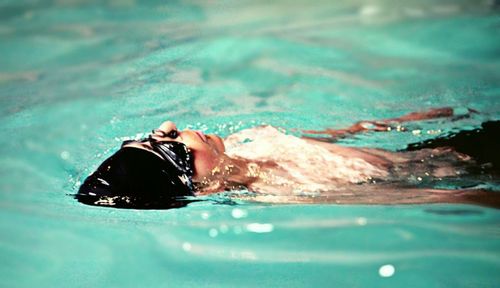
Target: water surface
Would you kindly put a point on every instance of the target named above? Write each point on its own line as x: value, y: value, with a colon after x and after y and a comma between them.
x: 76, y: 77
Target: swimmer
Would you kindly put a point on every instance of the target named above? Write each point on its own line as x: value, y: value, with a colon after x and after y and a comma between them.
x: 172, y: 164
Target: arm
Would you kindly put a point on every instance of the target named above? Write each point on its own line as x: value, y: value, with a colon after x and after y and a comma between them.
x: 388, y: 124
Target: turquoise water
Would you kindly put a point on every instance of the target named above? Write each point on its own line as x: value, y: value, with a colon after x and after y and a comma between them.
x: 78, y: 76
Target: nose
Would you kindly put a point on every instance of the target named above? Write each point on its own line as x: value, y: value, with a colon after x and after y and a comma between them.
x: 167, y: 126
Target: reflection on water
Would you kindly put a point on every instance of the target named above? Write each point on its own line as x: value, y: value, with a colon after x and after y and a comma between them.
x: 76, y: 77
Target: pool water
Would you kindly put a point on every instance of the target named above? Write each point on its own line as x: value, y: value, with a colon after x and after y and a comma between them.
x: 77, y: 77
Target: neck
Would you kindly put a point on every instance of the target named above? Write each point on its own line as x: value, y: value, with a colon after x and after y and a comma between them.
x: 229, y: 174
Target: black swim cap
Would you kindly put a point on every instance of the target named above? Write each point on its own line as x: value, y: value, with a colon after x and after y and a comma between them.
x: 137, y: 178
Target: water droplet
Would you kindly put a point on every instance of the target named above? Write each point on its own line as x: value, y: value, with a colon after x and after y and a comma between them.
x: 205, y: 215
x: 186, y: 246
x: 260, y: 227
x: 213, y: 232
x: 386, y: 270
x: 239, y: 213
x: 65, y: 155
x: 361, y: 221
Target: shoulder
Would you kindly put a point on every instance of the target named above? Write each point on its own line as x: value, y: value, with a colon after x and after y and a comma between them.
x: 253, y: 134
x: 262, y: 142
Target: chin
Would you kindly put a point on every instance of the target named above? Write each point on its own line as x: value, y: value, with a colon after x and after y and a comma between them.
x: 217, y: 143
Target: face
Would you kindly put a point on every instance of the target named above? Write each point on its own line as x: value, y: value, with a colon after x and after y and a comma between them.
x: 207, y: 150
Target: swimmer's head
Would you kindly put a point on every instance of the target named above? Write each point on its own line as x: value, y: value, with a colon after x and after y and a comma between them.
x: 207, y: 150
x: 138, y: 178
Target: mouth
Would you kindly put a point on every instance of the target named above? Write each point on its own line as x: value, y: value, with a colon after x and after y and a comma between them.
x: 201, y: 135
